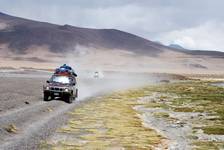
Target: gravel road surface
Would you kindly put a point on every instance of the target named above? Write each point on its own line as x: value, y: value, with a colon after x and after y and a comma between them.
x: 26, y: 120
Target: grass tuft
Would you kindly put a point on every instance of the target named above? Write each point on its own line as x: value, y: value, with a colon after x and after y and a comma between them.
x: 216, y: 129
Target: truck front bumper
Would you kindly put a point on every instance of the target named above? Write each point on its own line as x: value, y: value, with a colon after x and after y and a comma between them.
x: 56, y: 93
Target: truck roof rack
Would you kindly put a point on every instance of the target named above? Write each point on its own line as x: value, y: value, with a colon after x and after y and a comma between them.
x: 64, y: 72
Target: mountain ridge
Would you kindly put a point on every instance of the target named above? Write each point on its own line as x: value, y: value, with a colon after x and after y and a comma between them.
x: 23, y: 33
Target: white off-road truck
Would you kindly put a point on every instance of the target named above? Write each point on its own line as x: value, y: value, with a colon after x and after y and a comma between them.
x: 63, y: 85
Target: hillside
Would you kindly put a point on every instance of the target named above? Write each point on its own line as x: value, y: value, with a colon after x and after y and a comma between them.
x: 28, y: 43
x: 21, y: 33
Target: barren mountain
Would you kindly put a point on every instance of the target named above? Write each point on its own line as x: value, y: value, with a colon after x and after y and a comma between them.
x: 21, y: 34
x: 28, y: 43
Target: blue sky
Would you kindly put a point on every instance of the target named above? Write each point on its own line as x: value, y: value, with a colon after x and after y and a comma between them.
x: 194, y: 24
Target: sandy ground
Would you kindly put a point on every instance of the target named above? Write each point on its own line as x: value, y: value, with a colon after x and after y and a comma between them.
x: 25, y: 119
x: 115, y: 60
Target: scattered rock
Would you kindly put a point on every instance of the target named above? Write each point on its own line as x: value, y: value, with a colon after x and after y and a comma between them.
x: 200, y: 131
x: 11, y: 128
x: 161, y: 100
x: 178, y: 122
x: 173, y: 126
x: 189, y: 89
x: 49, y: 109
x: 26, y: 102
x: 164, y: 81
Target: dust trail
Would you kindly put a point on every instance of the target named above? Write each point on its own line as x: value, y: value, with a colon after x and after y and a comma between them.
x: 113, y: 82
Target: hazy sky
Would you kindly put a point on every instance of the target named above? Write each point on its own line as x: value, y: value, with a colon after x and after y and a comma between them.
x: 194, y: 24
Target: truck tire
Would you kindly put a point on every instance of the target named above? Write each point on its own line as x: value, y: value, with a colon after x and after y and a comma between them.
x: 68, y: 99
x: 46, y: 97
x: 76, y: 93
x: 52, y: 97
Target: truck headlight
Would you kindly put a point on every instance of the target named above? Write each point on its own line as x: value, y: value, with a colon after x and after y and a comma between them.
x: 66, y: 90
x: 47, y: 88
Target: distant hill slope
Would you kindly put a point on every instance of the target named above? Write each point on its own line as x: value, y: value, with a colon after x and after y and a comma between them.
x: 20, y: 34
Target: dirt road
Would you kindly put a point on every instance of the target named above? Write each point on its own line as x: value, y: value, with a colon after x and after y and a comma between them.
x: 25, y: 119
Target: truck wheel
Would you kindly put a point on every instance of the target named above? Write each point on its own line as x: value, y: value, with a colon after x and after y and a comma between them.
x: 76, y: 93
x: 68, y: 99
x: 52, y: 97
x: 46, y: 97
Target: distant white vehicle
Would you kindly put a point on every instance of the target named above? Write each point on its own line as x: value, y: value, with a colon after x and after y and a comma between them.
x: 97, y: 75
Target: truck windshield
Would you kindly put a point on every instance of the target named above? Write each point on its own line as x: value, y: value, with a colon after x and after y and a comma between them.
x: 60, y: 79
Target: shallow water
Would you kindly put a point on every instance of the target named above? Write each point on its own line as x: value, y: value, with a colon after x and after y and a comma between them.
x: 220, y: 84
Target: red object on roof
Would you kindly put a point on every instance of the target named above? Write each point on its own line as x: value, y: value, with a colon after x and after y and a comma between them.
x: 64, y: 74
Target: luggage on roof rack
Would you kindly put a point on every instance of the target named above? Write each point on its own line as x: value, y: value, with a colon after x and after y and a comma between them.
x: 65, y: 70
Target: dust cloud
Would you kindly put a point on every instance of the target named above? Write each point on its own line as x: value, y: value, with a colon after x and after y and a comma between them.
x: 107, y: 80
